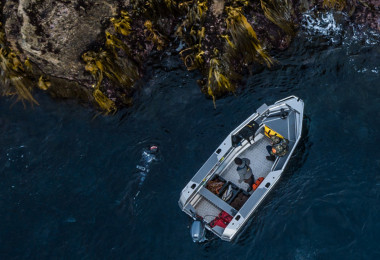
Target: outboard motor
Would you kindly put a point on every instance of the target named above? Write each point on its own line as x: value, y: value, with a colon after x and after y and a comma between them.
x: 198, y: 232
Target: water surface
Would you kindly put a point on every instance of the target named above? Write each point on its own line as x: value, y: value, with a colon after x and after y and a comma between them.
x: 69, y: 181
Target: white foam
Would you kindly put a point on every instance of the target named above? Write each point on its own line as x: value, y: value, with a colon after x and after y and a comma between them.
x: 322, y: 24
x: 325, y: 24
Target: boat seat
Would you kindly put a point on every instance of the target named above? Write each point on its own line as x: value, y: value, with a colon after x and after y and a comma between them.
x: 217, y: 201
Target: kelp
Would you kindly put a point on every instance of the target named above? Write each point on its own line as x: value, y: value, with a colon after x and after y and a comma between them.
x: 244, y: 38
x: 115, y: 62
x: 122, y: 71
x: 122, y: 24
x: 15, y: 82
x: 193, y: 23
x: 116, y: 69
x: 202, y: 8
x: 154, y: 9
x: 44, y: 83
x: 281, y: 13
x: 334, y: 4
x: 217, y: 82
x: 113, y: 43
x: 192, y: 57
x: 221, y: 65
x: 14, y: 77
x: 104, y: 102
x: 154, y: 36
x: 97, y: 64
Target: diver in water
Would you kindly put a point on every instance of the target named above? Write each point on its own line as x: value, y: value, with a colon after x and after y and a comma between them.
x: 147, y: 157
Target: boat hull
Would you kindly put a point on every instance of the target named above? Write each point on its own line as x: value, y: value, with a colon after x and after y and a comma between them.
x: 249, y: 140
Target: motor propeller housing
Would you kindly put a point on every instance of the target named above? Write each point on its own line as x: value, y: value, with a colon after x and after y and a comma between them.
x: 198, y: 232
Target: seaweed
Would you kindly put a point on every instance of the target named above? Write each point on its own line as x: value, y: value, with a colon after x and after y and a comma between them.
x: 154, y: 9
x: 244, y: 39
x: 14, y: 74
x: 219, y: 45
x: 122, y: 24
x: 217, y: 82
x: 104, y: 102
x: 281, y: 13
x: 154, y: 36
x: 44, y: 83
x: 334, y: 4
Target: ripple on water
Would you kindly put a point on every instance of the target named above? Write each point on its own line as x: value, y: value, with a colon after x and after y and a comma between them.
x: 76, y: 196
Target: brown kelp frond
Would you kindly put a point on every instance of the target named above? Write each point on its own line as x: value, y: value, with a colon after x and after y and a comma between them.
x: 334, y: 4
x: 20, y: 87
x: 44, y: 83
x: 28, y: 65
x: 120, y: 71
x: 15, y: 81
x: 122, y: 24
x: 113, y: 42
x: 2, y: 37
x: 193, y: 22
x: 96, y: 64
x: 228, y: 40
x: 244, y: 37
x: 192, y: 32
x: 153, y: 9
x: 193, y: 56
x: 280, y: 12
x: 184, y: 7
x: 218, y: 83
x: 194, y: 61
x: 154, y: 36
x: 104, y: 102
x: 202, y: 8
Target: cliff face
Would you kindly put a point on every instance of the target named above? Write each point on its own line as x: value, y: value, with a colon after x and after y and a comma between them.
x: 54, y: 34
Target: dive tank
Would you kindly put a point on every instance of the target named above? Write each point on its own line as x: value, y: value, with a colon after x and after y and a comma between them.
x: 198, y: 232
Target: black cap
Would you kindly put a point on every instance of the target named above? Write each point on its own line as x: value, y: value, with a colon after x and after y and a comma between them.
x: 238, y: 161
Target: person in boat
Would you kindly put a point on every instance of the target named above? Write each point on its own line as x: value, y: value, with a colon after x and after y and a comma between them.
x: 279, y: 147
x: 245, y: 172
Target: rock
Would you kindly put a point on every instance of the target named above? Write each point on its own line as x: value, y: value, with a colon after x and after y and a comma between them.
x: 54, y: 34
x: 368, y: 12
x: 217, y: 7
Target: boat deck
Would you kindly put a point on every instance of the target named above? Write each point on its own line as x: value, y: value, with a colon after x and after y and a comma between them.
x: 207, y: 210
x: 260, y: 166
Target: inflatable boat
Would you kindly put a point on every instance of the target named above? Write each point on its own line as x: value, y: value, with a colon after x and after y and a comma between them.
x: 215, y: 197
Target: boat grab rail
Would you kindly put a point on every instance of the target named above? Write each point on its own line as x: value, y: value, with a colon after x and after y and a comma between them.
x: 287, y: 98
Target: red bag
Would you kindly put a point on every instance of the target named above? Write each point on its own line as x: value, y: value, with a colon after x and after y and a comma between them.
x: 221, y: 220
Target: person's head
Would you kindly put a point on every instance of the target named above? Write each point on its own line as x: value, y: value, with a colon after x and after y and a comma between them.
x: 153, y: 149
x: 238, y: 161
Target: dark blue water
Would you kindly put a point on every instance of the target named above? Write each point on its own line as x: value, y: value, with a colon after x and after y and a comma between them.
x: 69, y: 181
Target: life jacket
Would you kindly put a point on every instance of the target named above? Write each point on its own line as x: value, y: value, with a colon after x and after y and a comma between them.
x: 221, y: 220
x: 257, y: 183
x: 270, y: 132
x: 281, y: 148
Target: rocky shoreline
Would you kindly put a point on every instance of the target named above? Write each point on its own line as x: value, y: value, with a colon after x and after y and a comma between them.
x: 95, y: 51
